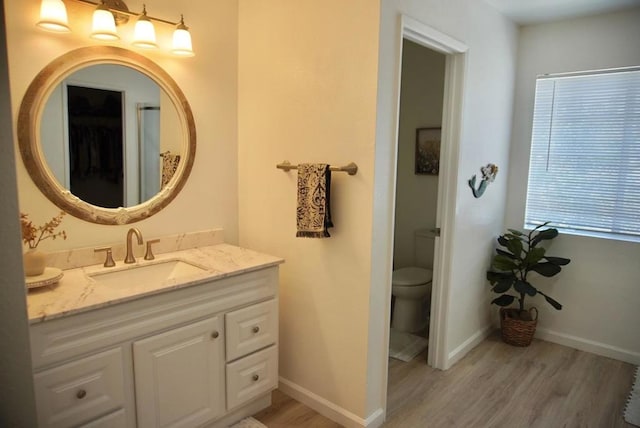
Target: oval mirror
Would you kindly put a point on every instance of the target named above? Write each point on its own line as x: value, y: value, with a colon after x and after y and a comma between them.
x: 106, y: 135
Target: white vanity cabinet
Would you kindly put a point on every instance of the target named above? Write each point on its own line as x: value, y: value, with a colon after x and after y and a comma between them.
x: 81, y: 389
x: 203, y: 355
x: 179, y: 376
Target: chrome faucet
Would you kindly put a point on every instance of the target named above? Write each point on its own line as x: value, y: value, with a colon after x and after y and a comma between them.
x: 129, y: 257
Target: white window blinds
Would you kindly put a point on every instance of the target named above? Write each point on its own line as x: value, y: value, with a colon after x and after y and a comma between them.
x: 584, y: 172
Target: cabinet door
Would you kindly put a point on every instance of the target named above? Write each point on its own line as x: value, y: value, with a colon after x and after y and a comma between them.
x: 81, y: 390
x: 179, y: 375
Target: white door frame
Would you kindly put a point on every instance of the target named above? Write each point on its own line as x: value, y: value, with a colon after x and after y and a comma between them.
x: 449, y: 157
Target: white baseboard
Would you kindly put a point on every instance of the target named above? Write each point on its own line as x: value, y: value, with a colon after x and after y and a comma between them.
x: 598, y: 348
x: 473, y: 341
x: 329, y: 409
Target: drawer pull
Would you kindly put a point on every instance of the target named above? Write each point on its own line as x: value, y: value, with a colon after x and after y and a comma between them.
x: 81, y: 394
x: 215, y: 334
x: 256, y: 329
x: 255, y: 377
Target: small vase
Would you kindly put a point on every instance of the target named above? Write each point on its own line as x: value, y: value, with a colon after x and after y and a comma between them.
x: 34, y: 262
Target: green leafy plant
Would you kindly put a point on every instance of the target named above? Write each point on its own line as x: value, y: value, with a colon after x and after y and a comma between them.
x: 511, y: 266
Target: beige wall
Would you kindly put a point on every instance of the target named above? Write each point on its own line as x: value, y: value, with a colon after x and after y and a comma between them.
x: 307, y: 91
x: 420, y: 107
x: 318, y: 84
x: 209, y: 199
x: 599, y: 289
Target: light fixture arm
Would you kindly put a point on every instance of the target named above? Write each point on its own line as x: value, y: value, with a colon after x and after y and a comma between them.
x: 181, y: 25
x: 118, y: 7
x: 107, y: 14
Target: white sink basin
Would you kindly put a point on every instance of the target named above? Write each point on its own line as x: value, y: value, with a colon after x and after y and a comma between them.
x: 151, y: 273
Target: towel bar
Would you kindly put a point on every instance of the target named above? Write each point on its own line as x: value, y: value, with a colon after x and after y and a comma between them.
x: 350, y: 169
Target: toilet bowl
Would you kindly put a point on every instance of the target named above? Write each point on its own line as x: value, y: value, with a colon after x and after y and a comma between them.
x: 411, y: 287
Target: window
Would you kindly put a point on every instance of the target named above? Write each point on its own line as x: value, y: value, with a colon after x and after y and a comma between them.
x: 584, y: 172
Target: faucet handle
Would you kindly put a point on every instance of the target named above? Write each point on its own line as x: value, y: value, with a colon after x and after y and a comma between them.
x: 108, y: 262
x: 148, y: 255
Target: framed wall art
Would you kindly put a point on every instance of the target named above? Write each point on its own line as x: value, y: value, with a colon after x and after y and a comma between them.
x: 428, y: 150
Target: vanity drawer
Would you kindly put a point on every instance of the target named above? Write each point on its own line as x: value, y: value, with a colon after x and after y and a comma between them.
x: 251, y: 377
x: 80, y: 391
x: 251, y: 328
x: 116, y: 419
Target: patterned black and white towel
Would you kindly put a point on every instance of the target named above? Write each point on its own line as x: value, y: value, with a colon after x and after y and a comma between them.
x: 170, y: 163
x: 313, y: 212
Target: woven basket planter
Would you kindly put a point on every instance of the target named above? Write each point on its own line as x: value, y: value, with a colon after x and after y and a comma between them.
x: 515, y: 331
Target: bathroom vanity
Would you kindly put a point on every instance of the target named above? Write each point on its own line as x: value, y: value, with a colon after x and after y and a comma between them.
x: 194, y: 348
x: 188, y: 339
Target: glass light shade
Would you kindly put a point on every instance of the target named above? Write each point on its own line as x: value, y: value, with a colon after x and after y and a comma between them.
x: 144, y: 34
x: 104, y: 24
x: 53, y: 16
x: 182, y: 42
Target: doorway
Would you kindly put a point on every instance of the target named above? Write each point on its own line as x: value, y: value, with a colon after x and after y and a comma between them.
x: 454, y: 57
x: 417, y: 177
x: 95, y: 129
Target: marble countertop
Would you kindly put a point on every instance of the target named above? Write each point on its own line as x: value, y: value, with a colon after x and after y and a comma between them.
x: 76, y: 292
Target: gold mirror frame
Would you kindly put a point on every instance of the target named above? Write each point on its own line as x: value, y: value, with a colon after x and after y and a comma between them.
x: 30, y: 115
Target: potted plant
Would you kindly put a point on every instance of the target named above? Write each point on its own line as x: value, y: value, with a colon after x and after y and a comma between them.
x: 35, y: 260
x: 519, y: 256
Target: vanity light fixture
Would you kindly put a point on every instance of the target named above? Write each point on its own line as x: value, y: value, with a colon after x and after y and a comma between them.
x: 144, y: 34
x: 110, y: 13
x: 104, y: 24
x: 182, y: 40
x: 53, y: 16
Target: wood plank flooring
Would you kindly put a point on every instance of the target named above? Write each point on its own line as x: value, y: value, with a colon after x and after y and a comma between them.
x: 286, y: 412
x: 496, y: 385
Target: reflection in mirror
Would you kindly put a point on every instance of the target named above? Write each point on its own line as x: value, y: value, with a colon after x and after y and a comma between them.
x: 106, y: 135
x: 103, y: 131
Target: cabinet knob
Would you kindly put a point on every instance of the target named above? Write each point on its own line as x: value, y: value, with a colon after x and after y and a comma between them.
x: 81, y: 394
x: 255, y: 377
x: 215, y: 334
x: 256, y: 329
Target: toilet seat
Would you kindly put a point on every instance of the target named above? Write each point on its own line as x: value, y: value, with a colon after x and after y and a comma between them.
x: 411, y: 276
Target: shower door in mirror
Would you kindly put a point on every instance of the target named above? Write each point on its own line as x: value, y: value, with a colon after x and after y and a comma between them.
x: 149, y: 150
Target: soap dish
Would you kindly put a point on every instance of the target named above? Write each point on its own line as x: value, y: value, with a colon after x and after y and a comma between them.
x: 50, y: 276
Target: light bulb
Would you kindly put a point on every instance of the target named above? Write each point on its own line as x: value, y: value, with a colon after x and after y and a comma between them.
x: 182, y: 40
x: 53, y: 16
x: 104, y: 24
x: 144, y: 34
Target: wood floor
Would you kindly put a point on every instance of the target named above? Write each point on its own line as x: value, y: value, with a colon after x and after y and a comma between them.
x: 287, y: 412
x: 495, y: 385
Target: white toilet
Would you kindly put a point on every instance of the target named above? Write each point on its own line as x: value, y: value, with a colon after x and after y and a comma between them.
x: 411, y: 286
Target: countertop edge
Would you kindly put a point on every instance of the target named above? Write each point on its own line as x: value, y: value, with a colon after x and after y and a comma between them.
x: 200, y: 253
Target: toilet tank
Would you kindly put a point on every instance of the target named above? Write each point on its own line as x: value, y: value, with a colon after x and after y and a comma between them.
x: 425, y: 240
